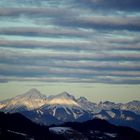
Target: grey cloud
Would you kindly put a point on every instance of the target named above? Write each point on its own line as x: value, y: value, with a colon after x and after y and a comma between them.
x: 72, y: 18
x: 38, y: 31
x: 69, y: 70
x: 3, y: 80
x: 110, y: 80
x: 91, y: 45
x: 101, y: 22
x: 69, y: 45
x: 125, y: 5
x: 22, y: 59
x: 32, y: 3
x: 94, y: 41
x: 34, y: 11
x: 131, y: 56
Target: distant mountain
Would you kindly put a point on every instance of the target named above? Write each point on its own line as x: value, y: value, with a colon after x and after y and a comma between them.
x: 88, y: 106
x: 133, y: 106
x: 63, y: 98
x: 57, y: 109
x: 17, y: 127
x: 28, y: 101
x: 120, y: 117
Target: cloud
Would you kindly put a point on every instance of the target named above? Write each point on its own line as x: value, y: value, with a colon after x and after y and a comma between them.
x: 101, y: 22
x: 70, y: 41
x: 124, y: 44
x: 92, y: 72
x: 107, y: 80
x: 63, y: 55
x: 125, y: 5
x: 3, y: 80
x: 46, y: 32
x: 34, y: 11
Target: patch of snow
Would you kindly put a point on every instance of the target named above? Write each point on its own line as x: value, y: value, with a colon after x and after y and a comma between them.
x: 112, y: 135
x: 67, y: 111
x: 18, y: 133
x: 129, y: 118
x: 54, y: 111
x: 100, y: 116
x: 62, y: 101
x: 22, y: 134
x: 111, y: 114
x: 40, y: 112
x: 100, y: 137
x: 59, y: 130
x: 2, y: 105
x: 75, y: 115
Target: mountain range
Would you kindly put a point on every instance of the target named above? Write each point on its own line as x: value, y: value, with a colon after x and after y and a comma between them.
x: 62, y: 108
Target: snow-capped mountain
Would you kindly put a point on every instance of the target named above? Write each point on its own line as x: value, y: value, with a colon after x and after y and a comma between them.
x: 63, y: 98
x: 33, y: 99
x: 54, y: 109
x: 107, y: 105
x: 88, y: 106
x: 120, y: 117
x: 28, y: 101
x: 57, y: 109
x: 133, y: 106
x: 64, y: 107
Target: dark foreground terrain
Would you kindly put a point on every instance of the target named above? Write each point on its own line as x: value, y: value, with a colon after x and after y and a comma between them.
x: 17, y: 127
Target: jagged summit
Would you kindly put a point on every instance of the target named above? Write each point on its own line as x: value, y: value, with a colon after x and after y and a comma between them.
x: 64, y: 95
x: 108, y: 102
x: 134, y: 102
x: 31, y: 95
x: 81, y: 99
x: 33, y: 90
x: 32, y: 99
x: 63, y: 98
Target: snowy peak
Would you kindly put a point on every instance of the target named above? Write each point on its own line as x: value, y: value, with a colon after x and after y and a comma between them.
x: 131, y: 106
x: 63, y: 98
x: 63, y: 95
x: 108, y: 103
x: 63, y: 101
x: 134, y: 102
x: 32, y: 94
x: 82, y: 99
x: 33, y: 91
x: 31, y: 100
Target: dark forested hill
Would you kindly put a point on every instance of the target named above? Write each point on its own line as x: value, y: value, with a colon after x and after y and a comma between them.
x: 17, y: 127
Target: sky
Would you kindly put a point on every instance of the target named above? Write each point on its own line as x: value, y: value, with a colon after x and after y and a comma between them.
x: 89, y: 48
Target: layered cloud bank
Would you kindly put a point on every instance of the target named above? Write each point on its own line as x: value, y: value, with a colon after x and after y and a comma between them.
x: 94, y: 41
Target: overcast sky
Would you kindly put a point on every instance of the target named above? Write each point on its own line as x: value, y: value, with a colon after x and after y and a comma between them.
x: 71, y: 45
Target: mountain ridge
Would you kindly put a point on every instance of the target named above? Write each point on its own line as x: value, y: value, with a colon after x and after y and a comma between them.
x: 64, y: 107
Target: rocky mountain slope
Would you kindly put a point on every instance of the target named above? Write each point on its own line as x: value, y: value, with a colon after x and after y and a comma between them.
x: 57, y: 109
